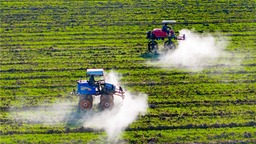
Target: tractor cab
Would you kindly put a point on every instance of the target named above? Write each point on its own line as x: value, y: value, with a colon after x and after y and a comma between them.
x: 93, y: 82
x: 95, y: 76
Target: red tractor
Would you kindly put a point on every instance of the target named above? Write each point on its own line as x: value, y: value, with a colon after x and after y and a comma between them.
x: 162, y: 33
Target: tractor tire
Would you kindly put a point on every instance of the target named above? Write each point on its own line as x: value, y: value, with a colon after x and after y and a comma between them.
x: 85, y: 102
x: 106, y: 102
x: 169, y: 45
x: 152, y: 46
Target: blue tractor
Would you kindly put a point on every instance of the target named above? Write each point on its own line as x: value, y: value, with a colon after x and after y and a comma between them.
x: 95, y: 85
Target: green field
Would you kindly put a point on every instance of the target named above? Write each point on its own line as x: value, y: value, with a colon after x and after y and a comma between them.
x: 46, y: 46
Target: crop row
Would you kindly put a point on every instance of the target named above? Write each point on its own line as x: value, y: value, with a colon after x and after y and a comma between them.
x: 49, y: 77
x: 213, y: 75
x: 119, y: 17
x: 129, y: 64
x: 131, y: 28
x: 164, y: 81
x: 244, y: 134
x: 50, y: 138
x: 241, y: 134
x: 62, y: 40
x: 100, y: 53
x: 110, y: 33
x: 29, y: 39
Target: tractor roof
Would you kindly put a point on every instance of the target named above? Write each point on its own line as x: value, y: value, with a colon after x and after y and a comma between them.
x: 168, y: 21
x: 96, y: 72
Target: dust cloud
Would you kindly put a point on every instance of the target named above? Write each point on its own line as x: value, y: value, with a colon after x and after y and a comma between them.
x: 196, y: 52
x: 47, y: 115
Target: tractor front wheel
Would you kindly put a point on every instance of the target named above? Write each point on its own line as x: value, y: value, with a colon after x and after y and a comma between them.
x: 106, y: 101
x: 85, y: 102
x: 152, y: 46
x: 169, y: 45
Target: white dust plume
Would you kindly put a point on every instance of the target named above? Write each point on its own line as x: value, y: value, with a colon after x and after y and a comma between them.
x: 124, y: 112
x: 48, y: 115
x: 197, y: 51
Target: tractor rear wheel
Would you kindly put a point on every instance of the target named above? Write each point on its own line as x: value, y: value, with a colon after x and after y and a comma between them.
x: 169, y: 45
x: 152, y: 46
x: 106, y: 101
x: 85, y: 102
